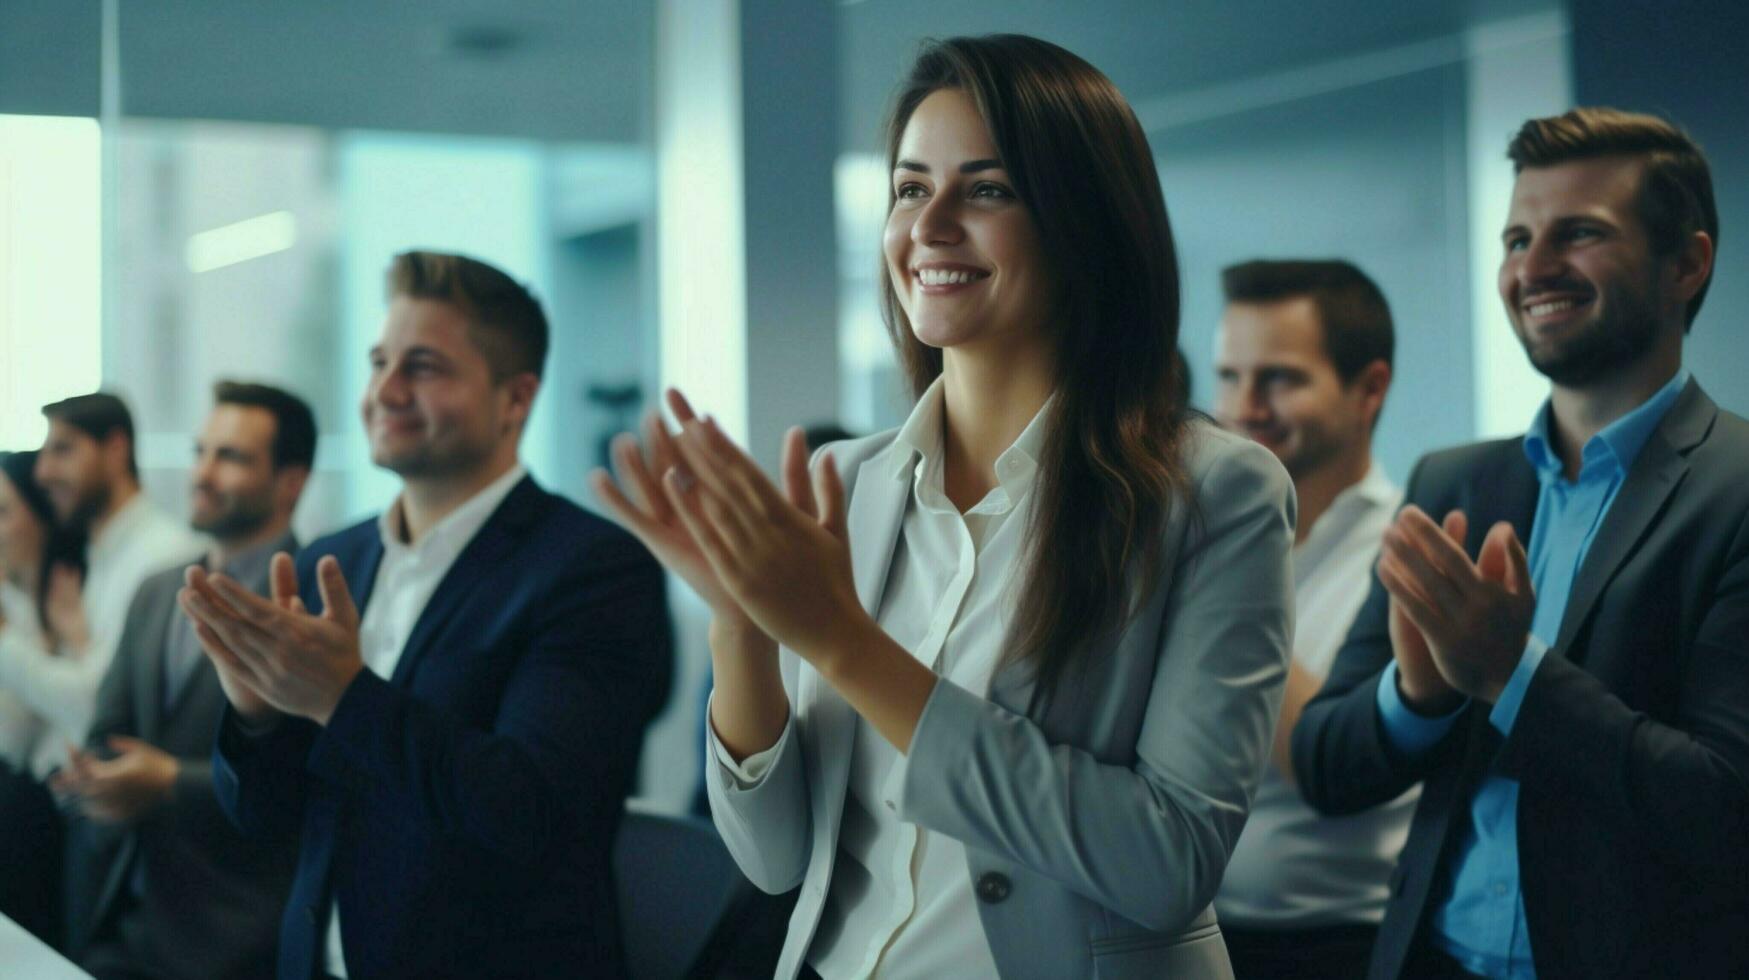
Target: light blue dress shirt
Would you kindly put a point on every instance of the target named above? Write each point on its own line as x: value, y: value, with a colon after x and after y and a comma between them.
x: 1481, y: 923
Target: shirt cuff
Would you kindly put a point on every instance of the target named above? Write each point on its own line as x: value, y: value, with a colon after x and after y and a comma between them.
x: 1407, y: 733
x: 1505, y: 711
x: 749, y: 772
x: 256, y: 729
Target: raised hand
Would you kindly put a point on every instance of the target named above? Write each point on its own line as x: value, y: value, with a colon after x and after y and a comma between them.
x: 1475, y: 616
x: 785, y: 560
x: 1418, y: 678
x: 119, y: 790
x: 639, y: 503
x: 274, y: 649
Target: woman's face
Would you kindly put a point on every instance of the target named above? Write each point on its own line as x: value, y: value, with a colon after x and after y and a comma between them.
x: 21, y: 534
x: 963, y: 251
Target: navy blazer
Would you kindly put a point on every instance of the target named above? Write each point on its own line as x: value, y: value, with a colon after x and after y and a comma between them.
x: 462, y: 813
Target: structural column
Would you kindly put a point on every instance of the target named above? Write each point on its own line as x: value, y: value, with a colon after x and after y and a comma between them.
x: 746, y: 105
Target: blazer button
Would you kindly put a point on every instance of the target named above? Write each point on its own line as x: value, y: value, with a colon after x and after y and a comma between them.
x: 993, y: 887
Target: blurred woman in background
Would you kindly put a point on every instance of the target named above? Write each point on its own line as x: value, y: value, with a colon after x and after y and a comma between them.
x: 41, y: 568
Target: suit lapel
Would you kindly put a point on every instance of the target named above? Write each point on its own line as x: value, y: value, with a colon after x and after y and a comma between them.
x: 190, y: 683
x: 361, y: 572
x: 202, y: 687
x: 149, y: 690
x: 482, y: 556
x: 877, y: 510
x: 1509, y: 494
x: 1654, y: 476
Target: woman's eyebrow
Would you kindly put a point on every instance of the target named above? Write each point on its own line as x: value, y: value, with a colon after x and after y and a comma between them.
x: 969, y: 167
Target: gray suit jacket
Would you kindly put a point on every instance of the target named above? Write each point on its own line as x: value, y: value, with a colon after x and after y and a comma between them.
x: 1096, y: 828
x: 213, y: 896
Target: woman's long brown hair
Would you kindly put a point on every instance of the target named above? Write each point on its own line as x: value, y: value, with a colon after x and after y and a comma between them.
x: 1112, y: 458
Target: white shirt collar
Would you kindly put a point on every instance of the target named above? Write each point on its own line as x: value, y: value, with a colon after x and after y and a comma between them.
x: 448, y: 537
x: 119, y: 527
x: 1373, y: 490
x: 920, y: 442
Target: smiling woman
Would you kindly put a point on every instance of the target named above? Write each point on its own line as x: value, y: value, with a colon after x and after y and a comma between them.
x: 995, y: 687
x: 1086, y: 268
x: 959, y: 243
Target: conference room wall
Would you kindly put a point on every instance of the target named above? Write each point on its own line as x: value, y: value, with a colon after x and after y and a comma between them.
x: 305, y: 314
x: 1349, y: 174
x: 1686, y: 60
x: 360, y: 131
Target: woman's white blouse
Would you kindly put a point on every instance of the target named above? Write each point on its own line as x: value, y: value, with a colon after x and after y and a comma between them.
x: 901, y: 902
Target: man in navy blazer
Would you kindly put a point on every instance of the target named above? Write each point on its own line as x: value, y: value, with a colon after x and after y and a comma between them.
x: 457, y: 755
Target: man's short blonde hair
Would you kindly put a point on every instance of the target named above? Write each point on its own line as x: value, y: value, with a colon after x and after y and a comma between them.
x: 508, y: 325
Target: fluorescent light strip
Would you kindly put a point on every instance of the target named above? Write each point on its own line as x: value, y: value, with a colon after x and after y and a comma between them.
x: 240, y: 242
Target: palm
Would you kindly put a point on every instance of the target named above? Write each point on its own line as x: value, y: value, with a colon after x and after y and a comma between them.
x: 1417, y: 667
x: 638, y: 501
x: 1409, y: 645
x: 242, y: 697
x: 675, y: 548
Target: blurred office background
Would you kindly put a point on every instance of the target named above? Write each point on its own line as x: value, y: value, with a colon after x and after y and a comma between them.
x: 194, y: 189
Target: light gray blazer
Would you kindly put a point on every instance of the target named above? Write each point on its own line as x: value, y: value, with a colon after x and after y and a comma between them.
x: 1096, y: 829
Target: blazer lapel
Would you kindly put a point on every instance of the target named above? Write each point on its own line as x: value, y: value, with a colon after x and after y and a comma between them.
x: 201, y: 684
x: 202, y: 687
x: 1654, y: 476
x: 149, y: 690
x: 484, y: 554
x: 361, y: 578
x: 877, y: 510
x: 1511, y: 496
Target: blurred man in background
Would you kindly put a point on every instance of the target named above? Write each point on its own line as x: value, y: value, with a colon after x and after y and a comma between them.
x: 1303, y: 362
x: 179, y: 892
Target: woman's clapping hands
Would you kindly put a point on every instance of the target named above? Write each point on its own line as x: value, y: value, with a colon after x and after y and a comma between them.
x: 778, y: 558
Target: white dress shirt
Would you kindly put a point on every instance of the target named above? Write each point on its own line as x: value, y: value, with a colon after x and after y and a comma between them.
x: 901, y: 902
x: 406, y: 578
x: 137, y: 541
x: 1294, y: 868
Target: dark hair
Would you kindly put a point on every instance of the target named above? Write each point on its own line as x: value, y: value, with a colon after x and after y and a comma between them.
x: 509, y: 327
x: 294, y: 425
x: 1676, y: 187
x: 98, y: 415
x: 1352, y: 312
x: 1111, y: 465
x: 20, y: 468
x: 61, y: 545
